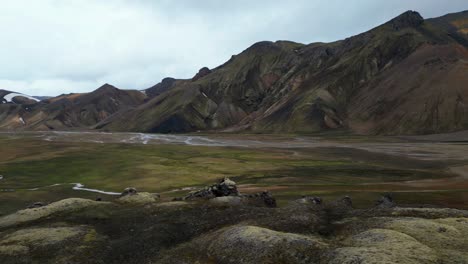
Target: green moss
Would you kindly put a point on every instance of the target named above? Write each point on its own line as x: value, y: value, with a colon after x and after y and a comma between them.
x: 91, y: 236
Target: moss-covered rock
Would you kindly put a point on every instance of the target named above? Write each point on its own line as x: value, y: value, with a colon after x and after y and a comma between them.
x: 139, y: 229
x: 63, y: 206
x: 61, y: 244
x: 439, y: 234
x: 251, y: 244
x: 382, y: 246
x: 140, y: 198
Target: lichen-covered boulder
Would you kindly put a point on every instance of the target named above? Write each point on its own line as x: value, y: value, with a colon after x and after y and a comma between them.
x: 224, y: 187
x: 382, y: 246
x: 251, y: 244
x: 140, y: 198
x: 57, y: 244
x: 129, y: 191
x: 32, y: 214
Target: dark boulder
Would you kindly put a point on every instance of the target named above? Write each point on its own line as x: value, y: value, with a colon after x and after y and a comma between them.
x: 339, y: 208
x: 224, y: 187
x: 268, y: 199
x: 260, y: 199
x: 36, y: 205
x: 386, y: 201
x: 312, y: 199
x: 129, y: 191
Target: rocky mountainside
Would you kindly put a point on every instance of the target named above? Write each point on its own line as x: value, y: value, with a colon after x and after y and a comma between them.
x: 71, y: 111
x: 407, y: 76
x: 219, y: 225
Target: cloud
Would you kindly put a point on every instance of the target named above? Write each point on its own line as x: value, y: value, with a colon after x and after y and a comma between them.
x: 51, y: 47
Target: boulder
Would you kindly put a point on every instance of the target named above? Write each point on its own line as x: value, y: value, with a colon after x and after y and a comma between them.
x: 252, y: 244
x: 386, y: 201
x: 382, y: 246
x: 60, y: 244
x: 141, y: 198
x: 261, y: 199
x: 309, y: 200
x: 224, y: 187
x: 129, y: 191
x: 339, y: 208
x: 61, y: 207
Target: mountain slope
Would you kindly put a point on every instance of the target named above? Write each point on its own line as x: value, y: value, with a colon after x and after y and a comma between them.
x: 12, y: 106
x: 79, y: 111
x: 8, y: 97
x: 407, y: 76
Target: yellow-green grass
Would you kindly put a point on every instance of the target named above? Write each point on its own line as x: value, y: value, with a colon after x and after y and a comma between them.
x: 27, y: 162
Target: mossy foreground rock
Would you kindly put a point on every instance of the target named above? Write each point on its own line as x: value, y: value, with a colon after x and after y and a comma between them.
x: 252, y: 244
x: 61, y: 244
x: 138, y: 199
x: 32, y: 214
x: 383, y: 246
x: 140, y: 228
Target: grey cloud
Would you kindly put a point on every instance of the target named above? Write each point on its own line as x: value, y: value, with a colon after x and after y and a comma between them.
x: 50, y: 47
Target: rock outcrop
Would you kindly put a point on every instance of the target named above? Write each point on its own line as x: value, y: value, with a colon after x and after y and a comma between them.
x: 224, y: 187
x: 225, y: 192
x: 129, y: 191
x: 131, y: 196
x: 201, y: 73
x: 407, y: 19
x: 138, y: 228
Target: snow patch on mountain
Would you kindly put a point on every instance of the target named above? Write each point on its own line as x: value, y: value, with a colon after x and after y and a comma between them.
x: 9, y: 97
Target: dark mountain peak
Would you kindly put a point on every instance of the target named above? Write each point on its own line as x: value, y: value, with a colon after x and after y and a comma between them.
x: 263, y: 46
x: 106, y: 89
x: 161, y: 87
x: 107, y: 86
x: 405, y: 20
x: 201, y: 73
x: 168, y: 80
x: 260, y: 48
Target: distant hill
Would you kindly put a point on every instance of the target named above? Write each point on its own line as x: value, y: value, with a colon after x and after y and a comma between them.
x: 76, y: 111
x: 407, y: 76
x: 8, y: 97
x: 40, y: 98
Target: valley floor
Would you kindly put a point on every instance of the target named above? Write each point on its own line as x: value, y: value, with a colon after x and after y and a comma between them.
x: 49, y: 166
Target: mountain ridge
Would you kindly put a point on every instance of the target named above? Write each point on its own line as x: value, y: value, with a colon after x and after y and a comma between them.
x: 402, y: 77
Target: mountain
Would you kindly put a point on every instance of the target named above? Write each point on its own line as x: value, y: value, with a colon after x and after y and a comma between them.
x: 40, y: 98
x: 12, y: 104
x: 77, y: 111
x: 9, y: 97
x: 159, y: 88
x: 407, y: 76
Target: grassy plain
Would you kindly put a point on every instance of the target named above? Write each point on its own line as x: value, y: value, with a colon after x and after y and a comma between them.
x: 28, y: 163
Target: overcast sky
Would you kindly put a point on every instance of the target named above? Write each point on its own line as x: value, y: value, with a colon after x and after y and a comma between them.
x: 50, y: 47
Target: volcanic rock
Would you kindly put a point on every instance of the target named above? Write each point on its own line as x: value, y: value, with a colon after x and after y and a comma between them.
x: 386, y: 201
x: 201, y: 73
x: 225, y: 187
x: 129, y: 191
